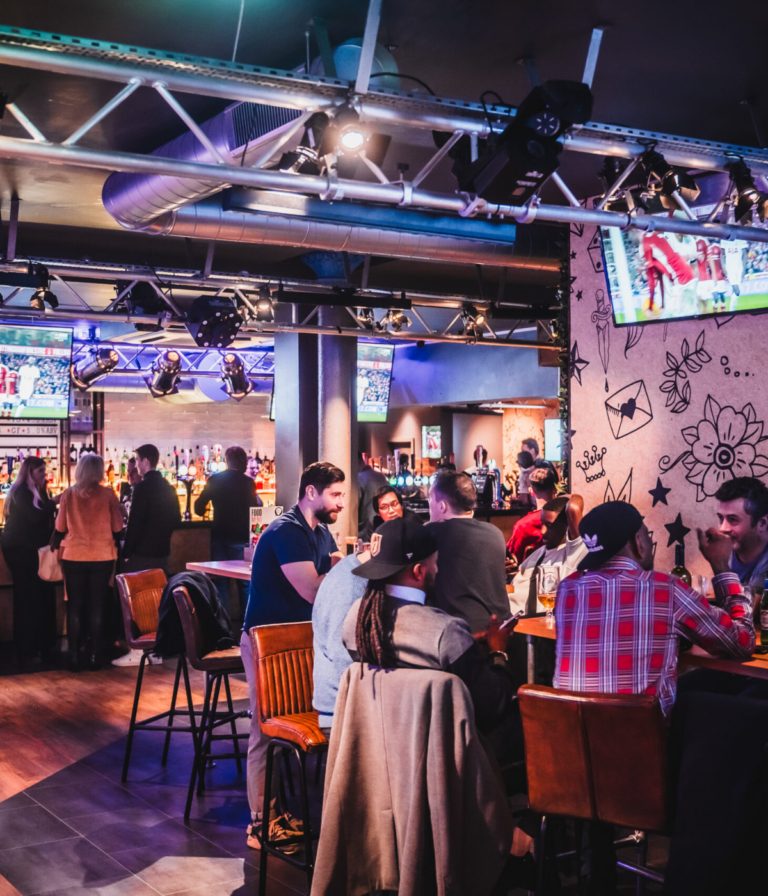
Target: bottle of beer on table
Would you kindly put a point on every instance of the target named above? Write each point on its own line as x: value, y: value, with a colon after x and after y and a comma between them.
x: 680, y: 571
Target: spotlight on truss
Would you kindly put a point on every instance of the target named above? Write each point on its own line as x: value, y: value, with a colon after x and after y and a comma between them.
x: 749, y: 197
x: 97, y: 365
x: 165, y: 374
x: 236, y: 383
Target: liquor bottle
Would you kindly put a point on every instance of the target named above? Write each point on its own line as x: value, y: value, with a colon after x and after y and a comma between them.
x: 680, y: 571
x: 764, y: 615
x: 72, y: 454
x: 124, y: 465
x: 110, y: 472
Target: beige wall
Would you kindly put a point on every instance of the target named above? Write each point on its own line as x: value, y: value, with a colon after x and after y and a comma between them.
x: 522, y: 424
x: 471, y: 430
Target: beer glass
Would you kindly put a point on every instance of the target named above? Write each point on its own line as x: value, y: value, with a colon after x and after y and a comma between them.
x: 548, y: 578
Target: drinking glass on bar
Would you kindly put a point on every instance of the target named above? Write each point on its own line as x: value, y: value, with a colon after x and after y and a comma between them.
x: 548, y: 579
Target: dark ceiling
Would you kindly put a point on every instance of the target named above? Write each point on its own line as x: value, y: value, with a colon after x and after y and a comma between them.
x: 675, y: 67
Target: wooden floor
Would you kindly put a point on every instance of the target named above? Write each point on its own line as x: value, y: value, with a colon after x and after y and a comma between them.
x: 48, y: 720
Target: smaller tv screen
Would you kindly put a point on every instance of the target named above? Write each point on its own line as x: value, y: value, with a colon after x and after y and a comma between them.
x: 374, y: 378
x: 553, y: 435
x: 34, y: 372
x: 431, y: 444
x: 655, y: 276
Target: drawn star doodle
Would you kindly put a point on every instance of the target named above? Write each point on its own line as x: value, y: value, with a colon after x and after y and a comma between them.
x: 577, y: 230
x: 659, y: 494
x: 677, y: 531
x: 579, y: 295
x: 723, y: 446
x: 573, y: 254
x: 577, y: 363
x: 624, y: 495
x: 602, y: 321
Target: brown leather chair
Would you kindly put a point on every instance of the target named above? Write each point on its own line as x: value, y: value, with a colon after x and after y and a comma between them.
x: 596, y: 757
x: 217, y: 666
x: 140, y: 594
x: 284, y: 658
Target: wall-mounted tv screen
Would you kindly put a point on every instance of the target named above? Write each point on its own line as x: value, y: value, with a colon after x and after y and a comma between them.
x: 553, y: 436
x: 374, y: 378
x: 656, y: 276
x: 431, y: 442
x: 34, y: 372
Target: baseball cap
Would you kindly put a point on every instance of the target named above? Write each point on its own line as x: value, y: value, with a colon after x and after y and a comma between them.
x: 395, y: 545
x: 605, y: 530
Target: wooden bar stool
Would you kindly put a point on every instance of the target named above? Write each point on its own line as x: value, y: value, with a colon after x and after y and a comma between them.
x: 217, y: 665
x: 283, y: 657
x: 596, y: 757
x: 140, y: 594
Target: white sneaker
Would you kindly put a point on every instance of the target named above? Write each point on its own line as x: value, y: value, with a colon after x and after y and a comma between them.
x: 133, y: 658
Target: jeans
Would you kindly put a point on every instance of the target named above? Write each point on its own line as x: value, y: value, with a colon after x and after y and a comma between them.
x: 221, y: 549
x: 34, y: 605
x: 87, y: 590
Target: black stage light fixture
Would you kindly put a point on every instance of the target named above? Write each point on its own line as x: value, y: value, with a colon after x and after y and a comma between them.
x: 42, y: 296
x: 470, y: 312
x: 99, y: 363
x: 344, y: 133
x: 236, y: 383
x: 366, y: 318
x: 749, y: 197
x: 141, y: 298
x: 165, y: 374
x: 213, y: 321
x: 265, y: 313
x: 514, y: 164
x: 673, y: 180
x: 396, y: 320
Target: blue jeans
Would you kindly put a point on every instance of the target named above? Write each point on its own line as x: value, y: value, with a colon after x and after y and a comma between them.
x: 221, y: 549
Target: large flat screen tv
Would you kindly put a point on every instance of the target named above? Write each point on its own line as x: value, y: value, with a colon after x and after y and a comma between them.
x: 34, y: 372
x: 374, y: 378
x: 665, y: 276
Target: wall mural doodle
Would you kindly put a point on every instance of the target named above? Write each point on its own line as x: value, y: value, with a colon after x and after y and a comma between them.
x: 677, y: 531
x: 677, y: 383
x: 649, y: 438
x: 723, y: 446
x: 601, y: 319
x: 629, y: 409
x: 624, y: 495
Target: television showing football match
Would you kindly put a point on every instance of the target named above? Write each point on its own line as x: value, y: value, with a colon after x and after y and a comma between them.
x: 374, y: 378
x: 656, y: 276
x: 34, y: 372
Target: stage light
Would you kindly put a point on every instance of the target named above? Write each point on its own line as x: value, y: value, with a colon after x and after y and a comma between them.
x: 41, y: 297
x: 344, y: 134
x: 264, y: 310
x: 395, y: 319
x: 213, y: 321
x: 236, y: 383
x: 749, y: 197
x: 673, y: 180
x: 98, y: 364
x: 165, y: 374
x: 366, y: 318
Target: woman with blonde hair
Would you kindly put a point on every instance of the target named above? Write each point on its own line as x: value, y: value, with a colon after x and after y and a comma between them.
x: 86, y: 528
x: 28, y: 524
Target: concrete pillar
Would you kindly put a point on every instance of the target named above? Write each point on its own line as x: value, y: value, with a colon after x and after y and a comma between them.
x: 337, y: 410
x: 295, y: 407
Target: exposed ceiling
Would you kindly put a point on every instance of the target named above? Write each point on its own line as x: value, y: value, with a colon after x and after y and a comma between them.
x: 663, y: 65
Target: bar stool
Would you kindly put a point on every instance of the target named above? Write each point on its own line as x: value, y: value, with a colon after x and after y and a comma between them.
x: 218, y: 665
x: 596, y: 757
x: 283, y: 657
x: 140, y: 594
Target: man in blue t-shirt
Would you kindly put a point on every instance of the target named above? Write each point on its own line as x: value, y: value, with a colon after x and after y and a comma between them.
x: 742, y: 513
x: 291, y: 560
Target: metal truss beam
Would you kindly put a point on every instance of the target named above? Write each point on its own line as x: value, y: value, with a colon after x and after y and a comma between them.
x: 137, y: 360
x: 181, y: 73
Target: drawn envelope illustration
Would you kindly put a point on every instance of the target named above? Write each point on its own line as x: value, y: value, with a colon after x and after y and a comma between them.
x: 629, y: 409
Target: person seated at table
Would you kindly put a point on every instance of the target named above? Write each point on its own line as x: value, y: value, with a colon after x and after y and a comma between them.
x: 526, y: 534
x: 387, y: 505
x: 392, y: 626
x: 563, y: 547
x: 471, y: 580
x: 742, y: 512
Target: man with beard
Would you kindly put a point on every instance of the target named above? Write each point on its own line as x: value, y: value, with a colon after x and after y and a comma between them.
x: 291, y: 560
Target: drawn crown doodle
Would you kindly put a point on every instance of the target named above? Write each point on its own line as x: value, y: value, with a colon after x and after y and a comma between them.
x: 590, y: 464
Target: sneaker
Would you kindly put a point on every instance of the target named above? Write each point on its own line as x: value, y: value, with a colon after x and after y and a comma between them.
x: 133, y: 658
x: 281, y: 834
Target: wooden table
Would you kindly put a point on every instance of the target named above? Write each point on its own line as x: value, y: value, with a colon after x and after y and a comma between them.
x: 756, y: 667
x: 230, y: 569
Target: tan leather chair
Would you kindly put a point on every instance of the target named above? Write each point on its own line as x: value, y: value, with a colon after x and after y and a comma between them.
x: 283, y: 658
x: 140, y: 594
x: 217, y: 666
x: 596, y: 757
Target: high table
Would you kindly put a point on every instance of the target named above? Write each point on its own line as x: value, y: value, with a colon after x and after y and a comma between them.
x: 230, y: 569
x: 756, y: 667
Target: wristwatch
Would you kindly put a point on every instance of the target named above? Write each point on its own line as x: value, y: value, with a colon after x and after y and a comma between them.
x: 498, y: 658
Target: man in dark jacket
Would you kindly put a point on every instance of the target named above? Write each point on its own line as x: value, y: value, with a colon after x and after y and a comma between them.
x: 232, y: 494
x: 154, y: 515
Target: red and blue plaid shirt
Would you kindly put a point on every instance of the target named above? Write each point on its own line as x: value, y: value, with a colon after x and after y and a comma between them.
x: 618, y: 628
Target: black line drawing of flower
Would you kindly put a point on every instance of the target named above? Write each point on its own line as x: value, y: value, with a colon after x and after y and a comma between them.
x: 677, y: 386
x: 722, y: 446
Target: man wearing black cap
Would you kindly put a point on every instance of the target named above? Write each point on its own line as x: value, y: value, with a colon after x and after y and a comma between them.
x: 619, y: 623
x: 392, y: 627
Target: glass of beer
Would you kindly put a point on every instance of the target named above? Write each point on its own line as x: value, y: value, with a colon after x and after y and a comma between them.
x: 548, y: 578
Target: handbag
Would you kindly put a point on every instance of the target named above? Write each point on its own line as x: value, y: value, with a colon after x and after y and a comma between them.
x: 49, y: 568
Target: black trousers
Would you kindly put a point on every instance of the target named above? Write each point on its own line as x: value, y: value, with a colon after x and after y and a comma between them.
x: 87, y: 595
x: 34, y: 605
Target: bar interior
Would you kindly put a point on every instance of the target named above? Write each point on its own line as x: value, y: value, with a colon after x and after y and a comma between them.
x: 383, y: 501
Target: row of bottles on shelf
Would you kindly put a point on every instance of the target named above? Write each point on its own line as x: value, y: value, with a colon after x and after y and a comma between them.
x: 11, y: 458
x: 400, y: 469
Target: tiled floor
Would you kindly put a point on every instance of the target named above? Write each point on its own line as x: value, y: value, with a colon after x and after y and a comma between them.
x: 81, y: 832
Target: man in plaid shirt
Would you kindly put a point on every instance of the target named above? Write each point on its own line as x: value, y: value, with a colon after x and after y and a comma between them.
x: 619, y: 623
